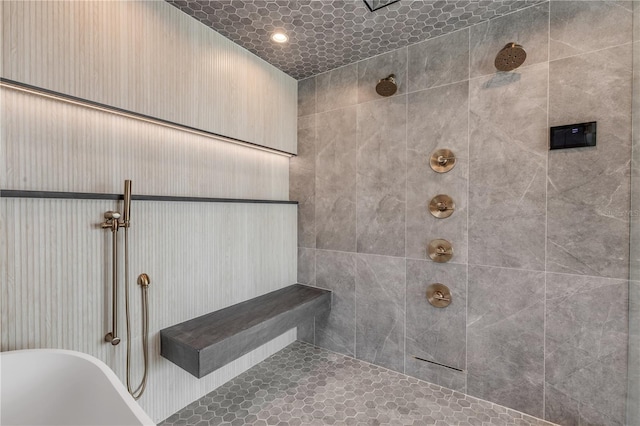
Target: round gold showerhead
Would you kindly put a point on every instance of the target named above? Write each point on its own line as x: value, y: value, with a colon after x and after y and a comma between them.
x: 510, y: 57
x: 387, y: 86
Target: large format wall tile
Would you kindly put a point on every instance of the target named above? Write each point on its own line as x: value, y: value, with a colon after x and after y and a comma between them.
x: 436, y: 334
x: 370, y: 71
x: 302, y: 181
x: 633, y: 410
x: 528, y: 27
x: 439, y: 61
x: 586, y: 349
x: 588, y: 224
x: 306, y: 98
x: 337, y: 88
x: 508, y: 150
x: 380, y: 310
x: 437, y: 118
x: 336, y: 180
x: 306, y: 266
x: 336, y: 271
x: 578, y: 27
x: 381, y: 180
x: 505, y: 337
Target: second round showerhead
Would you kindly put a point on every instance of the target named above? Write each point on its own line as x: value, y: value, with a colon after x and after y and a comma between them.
x: 510, y: 57
x: 387, y: 86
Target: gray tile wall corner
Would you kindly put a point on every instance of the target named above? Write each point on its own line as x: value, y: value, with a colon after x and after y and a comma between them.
x: 524, y: 217
x: 302, y: 185
x: 336, y: 331
x: 306, y: 266
x: 307, y: 97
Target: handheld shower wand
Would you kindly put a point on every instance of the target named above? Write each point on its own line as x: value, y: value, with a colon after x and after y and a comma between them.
x: 126, y: 212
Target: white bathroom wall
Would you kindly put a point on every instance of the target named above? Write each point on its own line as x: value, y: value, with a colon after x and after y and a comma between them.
x: 149, y: 57
x: 55, y: 260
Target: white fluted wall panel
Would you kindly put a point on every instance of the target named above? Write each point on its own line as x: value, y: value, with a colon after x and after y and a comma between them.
x: 50, y: 145
x: 151, y: 58
x: 55, y: 274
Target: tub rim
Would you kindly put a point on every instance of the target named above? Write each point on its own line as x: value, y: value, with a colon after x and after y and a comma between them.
x: 142, y: 416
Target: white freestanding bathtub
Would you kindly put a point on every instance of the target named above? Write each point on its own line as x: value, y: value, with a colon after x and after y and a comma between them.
x: 58, y: 387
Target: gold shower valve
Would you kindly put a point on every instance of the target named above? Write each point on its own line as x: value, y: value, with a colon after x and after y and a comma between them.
x: 442, y: 160
x: 440, y: 250
x: 439, y: 295
x: 442, y: 206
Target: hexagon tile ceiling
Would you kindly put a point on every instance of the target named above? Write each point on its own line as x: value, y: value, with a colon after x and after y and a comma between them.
x: 326, y: 34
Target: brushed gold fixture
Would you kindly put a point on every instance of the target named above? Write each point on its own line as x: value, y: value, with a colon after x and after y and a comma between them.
x: 442, y: 206
x: 50, y: 94
x: 114, y: 223
x: 439, y: 295
x: 387, y: 86
x: 440, y: 251
x: 442, y: 160
x: 510, y: 57
x: 144, y: 280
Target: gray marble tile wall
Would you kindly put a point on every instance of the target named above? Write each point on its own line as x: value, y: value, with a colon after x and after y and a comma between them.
x: 538, y: 320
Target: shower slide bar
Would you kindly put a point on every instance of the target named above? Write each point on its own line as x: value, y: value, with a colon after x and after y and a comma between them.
x: 114, y: 222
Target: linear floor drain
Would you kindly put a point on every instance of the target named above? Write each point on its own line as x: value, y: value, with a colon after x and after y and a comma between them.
x: 437, y: 363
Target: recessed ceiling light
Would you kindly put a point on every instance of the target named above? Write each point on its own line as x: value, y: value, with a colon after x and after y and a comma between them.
x: 279, y: 37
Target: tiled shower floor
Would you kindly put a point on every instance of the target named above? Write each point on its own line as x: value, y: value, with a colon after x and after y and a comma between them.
x: 305, y: 385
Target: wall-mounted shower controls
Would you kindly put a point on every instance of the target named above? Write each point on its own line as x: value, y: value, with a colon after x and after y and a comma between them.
x: 439, y: 295
x: 442, y: 206
x: 442, y: 160
x: 440, y: 251
x: 573, y: 136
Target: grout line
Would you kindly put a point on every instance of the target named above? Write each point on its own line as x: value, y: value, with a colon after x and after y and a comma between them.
x: 355, y: 278
x: 406, y: 207
x: 466, y: 307
x: 546, y: 230
x: 482, y: 265
x: 586, y: 53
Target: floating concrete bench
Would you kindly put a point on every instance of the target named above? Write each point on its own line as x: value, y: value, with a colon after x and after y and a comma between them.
x: 208, y: 342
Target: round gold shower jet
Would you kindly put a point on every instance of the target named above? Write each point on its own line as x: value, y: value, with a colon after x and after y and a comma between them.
x: 510, y: 57
x: 387, y: 86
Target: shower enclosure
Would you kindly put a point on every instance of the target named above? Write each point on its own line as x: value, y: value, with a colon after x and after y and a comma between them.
x: 633, y: 395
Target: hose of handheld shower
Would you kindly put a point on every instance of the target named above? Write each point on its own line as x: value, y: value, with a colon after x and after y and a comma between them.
x: 143, y: 281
